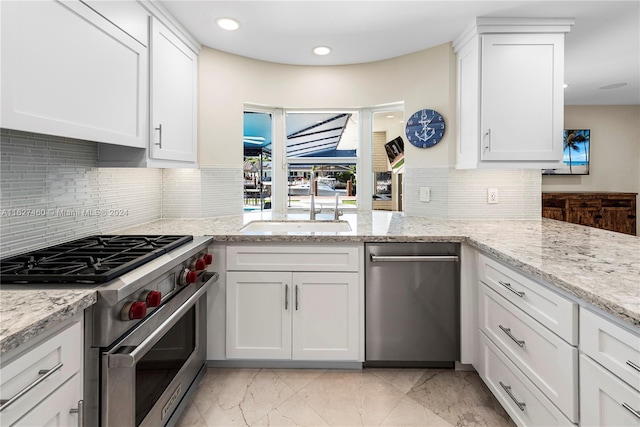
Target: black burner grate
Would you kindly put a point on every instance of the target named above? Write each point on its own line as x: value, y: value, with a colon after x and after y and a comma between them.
x: 95, y: 259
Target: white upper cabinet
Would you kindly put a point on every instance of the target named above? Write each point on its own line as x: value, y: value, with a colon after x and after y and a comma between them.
x: 510, y: 93
x: 67, y: 71
x: 174, y: 80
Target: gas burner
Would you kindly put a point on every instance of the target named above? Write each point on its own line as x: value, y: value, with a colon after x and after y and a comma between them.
x: 94, y: 259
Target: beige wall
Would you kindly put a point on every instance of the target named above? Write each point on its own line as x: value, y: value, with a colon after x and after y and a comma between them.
x: 615, y: 149
x: 425, y: 79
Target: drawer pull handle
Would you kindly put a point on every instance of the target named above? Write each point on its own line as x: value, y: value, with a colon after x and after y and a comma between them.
x: 286, y: 297
x: 508, y: 332
x: 46, y: 373
x: 630, y: 409
x: 508, y: 286
x: 507, y: 388
x: 633, y: 365
x: 80, y: 412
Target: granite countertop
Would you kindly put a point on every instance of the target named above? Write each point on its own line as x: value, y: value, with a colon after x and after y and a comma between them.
x: 25, y: 314
x: 599, y: 267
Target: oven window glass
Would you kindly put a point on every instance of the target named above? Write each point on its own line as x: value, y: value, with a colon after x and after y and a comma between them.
x: 161, y: 364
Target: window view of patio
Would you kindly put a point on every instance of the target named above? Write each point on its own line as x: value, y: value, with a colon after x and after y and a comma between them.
x: 322, y: 146
x: 257, y: 161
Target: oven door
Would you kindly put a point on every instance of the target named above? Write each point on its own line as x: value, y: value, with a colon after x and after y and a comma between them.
x: 146, y: 374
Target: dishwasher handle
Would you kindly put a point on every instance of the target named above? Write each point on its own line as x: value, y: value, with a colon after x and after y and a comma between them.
x: 414, y: 258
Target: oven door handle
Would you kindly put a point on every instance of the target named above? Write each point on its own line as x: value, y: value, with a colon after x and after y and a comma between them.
x: 129, y: 360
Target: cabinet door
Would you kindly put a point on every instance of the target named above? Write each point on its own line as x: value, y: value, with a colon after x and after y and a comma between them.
x: 173, y: 96
x: 67, y: 71
x: 621, y: 220
x: 604, y: 399
x: 521, y: 97
x: 55, y: 410
x: 325, y: 316
x: 588, y: 216
x: 259, y: 309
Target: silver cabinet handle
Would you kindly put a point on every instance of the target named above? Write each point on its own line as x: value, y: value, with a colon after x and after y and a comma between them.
x: 80, y: 412
x: 286, y: 297
x: 296, y: 297
x: 508, y: 332
x: 508, y: 286
x: 633, y: 365
x: 507, y: 388
x: 630, y: 409
x: 46, y: 373
x: 487, y: 137
x: 159, y: 129
x: 414, y: 258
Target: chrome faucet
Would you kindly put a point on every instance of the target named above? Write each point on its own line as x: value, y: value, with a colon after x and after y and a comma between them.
x: 337, y: 212
x: 312, y: 211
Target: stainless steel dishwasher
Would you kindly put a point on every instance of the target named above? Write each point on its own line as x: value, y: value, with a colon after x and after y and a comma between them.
x: 412, y: 309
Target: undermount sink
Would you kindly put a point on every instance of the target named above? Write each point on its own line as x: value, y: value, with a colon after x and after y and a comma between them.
x: 297, y: 226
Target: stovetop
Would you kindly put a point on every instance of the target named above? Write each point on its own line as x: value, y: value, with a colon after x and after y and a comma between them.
x: 90, y: 260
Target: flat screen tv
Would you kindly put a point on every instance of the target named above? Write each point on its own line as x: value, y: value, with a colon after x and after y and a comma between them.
x: 576, y: 153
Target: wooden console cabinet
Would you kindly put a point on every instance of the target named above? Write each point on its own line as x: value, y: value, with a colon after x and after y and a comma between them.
x: 609, y: 211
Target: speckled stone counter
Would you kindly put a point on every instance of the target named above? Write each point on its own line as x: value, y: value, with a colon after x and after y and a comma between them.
x: 24, y: 314
x: 599, y: 267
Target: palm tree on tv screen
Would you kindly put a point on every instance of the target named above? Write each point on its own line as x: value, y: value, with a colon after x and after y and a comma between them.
x: 571, y: 143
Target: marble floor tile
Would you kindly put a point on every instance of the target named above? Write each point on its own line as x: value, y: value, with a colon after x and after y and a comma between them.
x: 460, y: 397
x: 298, y: 378
x: 402, y: 379
x: 357, y: 398
x: 409, y: 413
x: 292, y: 412
x: 370, y: 397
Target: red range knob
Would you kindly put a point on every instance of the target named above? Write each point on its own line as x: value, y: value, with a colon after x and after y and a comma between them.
x: 134, y: 310
x: 192, y: 277
x: 208, y: 259
x: 200, y: 264
x: 153, y: 298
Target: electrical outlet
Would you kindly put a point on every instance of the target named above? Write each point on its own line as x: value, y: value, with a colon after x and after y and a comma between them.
x: 425, y: 194
x: 492, y: 195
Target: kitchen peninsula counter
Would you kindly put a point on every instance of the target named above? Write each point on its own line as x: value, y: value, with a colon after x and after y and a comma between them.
x: 596, y: 266
x: 26, y: 313
x: 599, y: 267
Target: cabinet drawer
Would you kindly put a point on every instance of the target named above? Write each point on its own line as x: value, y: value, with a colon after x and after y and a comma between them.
x: 292, y: 258
x: 549, y: 308
x: 526, y: 405
x: 604, y: 399
x: 60, y: 354
x: 615, y: 348
x: 55, y: 410
x: 549, y: 362
x: 577, y: 203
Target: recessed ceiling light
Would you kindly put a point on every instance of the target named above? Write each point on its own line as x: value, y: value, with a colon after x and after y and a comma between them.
x: 565, y: 85
x: 613, y: 86
x: 228, y: 24
x: 391, y: 116
x: 322, y: 50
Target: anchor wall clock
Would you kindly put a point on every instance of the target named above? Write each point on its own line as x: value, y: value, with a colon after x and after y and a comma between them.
x: 425, y: 128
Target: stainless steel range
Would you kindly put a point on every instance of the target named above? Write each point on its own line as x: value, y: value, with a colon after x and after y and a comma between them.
x: 145, y: 338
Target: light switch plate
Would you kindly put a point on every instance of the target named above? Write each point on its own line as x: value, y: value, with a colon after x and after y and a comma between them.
x: 425, y: 194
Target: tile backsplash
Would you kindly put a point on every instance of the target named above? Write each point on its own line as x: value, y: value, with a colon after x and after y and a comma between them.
x: 462, y: 194
x: 52, y: 191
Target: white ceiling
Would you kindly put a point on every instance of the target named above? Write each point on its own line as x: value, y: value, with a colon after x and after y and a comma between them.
x: 602, y: 49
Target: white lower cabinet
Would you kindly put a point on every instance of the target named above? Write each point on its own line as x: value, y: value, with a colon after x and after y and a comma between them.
x: 549, y: 362
x: 292, y: 315
x: 42, y: 385
x: 605, y: 400
x: 525, y: 404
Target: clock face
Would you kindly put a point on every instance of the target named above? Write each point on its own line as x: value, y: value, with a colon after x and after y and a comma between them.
x: 425, y: 128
